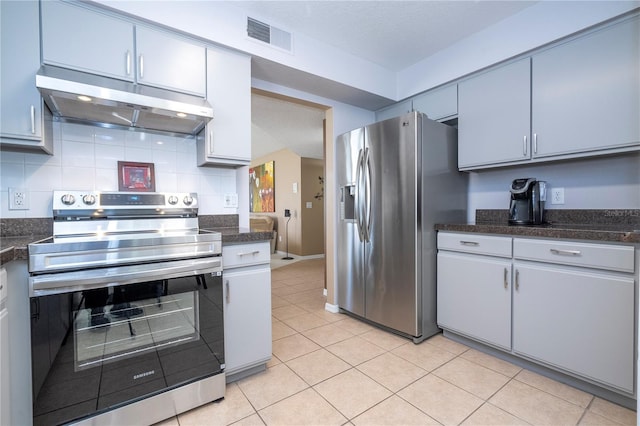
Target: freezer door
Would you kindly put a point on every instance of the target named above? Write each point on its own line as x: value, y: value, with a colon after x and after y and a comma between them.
x: 391, y: 270
x: 350, y: 282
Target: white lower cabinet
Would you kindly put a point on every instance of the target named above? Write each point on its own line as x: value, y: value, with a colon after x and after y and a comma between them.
x: 567, y: 305
x: 575, y: 320
x: 247, y: 307
x: 474, y: 297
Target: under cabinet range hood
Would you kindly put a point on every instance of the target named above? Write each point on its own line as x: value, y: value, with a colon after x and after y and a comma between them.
x: 109, y: 102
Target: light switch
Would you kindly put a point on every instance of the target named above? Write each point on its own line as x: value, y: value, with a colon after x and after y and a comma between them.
x: 231, y: 200
x: 295, y: 187
x: 309, y: 205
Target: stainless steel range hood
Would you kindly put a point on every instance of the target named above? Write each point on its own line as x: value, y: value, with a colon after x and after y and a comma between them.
x: 108, y: 102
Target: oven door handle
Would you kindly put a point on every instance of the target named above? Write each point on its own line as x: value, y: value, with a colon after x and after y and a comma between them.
x: 67, y: 282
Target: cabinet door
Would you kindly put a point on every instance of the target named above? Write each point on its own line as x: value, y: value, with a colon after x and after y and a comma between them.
x: 586, y: 93
x: 227, y: 138
x: 474, y: 297
x: 170, y: 62
x: 20, y: 103
x: 494, y: 116
x: 78, y: 38
x: 438, y: 104
x: 577, y: 321
x: 394, y: 110
x: 247, y: 317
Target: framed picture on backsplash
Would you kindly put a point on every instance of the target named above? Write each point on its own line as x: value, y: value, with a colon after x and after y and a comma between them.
x: 138, y: 177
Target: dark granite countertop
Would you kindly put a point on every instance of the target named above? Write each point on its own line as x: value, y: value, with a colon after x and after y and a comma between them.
x: 241, y: 235
x: 621, y: 226
x: 15, y: 248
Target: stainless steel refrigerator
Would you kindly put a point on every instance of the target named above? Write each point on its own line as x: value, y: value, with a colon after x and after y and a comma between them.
x: 395, y: 180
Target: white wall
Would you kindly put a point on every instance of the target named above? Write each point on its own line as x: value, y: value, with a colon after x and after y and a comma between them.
x: 86, y: 158
x: 535, y: 26
x: 599, y: 183
x: 346, y: 117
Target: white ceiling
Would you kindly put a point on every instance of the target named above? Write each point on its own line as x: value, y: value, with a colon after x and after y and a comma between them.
x: 277, y: 124
x: 391, y: 33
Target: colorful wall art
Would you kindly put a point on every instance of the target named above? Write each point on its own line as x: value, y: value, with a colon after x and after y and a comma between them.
x: 262, y: 188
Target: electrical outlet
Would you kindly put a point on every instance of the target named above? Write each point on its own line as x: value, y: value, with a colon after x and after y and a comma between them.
x: 18, y: 199
x: 557, y: 195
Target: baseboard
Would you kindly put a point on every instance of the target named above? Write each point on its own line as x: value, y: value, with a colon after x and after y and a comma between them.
x: 311, y: 256
x: 334, y: 309
x: 559, y: 376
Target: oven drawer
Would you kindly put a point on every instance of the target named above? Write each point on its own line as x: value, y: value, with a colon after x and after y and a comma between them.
x: 239, y: 255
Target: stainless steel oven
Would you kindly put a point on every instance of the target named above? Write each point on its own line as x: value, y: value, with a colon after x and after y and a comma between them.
x: 126, y: 310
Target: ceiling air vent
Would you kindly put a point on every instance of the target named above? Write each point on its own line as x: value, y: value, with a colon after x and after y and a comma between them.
x: 268, y: 34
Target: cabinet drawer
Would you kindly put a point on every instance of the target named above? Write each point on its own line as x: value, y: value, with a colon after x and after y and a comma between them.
x: 471, y: 243
x: 235, y: 256
x: 600, y: 256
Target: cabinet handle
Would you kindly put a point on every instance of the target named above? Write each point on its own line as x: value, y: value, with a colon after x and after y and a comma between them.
x: 141, y: 66
x: 128, y: 62
x: 506, y: 284
x: 33, y: 119
x: 565, y: 252
x: 535, y: 143
x: 517, y: 280
x: 35, y: 309
x: 211, y: 148
x: 524, y: 146
x: 228, y: 297
x: 249, y: 253
x: 469, y: 243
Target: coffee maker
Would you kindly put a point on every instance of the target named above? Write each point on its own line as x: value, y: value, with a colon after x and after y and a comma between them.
x: 527, y: 201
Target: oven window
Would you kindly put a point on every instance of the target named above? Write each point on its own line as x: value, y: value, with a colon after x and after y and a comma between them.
x: 96, y: 350
x: 127, y: 321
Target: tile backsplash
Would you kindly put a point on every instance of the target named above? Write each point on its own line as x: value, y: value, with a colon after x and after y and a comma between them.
x: 86, y: 158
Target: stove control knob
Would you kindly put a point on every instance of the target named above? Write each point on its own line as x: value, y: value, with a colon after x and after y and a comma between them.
x: 188, y: 200
x: 89, y: 199
x: 173, y: 200
x: 68, y: 199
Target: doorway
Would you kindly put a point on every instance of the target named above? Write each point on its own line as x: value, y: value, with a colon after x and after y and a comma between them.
x: 291, y: 133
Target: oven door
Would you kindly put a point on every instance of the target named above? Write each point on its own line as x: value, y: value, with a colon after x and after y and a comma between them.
x: 105, y: 338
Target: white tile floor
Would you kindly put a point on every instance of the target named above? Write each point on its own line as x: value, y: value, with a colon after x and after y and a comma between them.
x: 330, y: 369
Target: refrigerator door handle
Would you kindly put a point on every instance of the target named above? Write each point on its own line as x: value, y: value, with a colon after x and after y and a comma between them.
x: 358, y: 196
x: 367, y: 197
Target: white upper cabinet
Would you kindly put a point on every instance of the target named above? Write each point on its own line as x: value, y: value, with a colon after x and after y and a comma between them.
x: 494, y: 116
x: 21, y: 107
x: 394, y: 110
x: 226, y: 139
x: 87, y: 40
x: 164, y: 60
x: 439, y: 104
x: 78, y: 38
x: 577, y: 99
x: 586, y: 93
